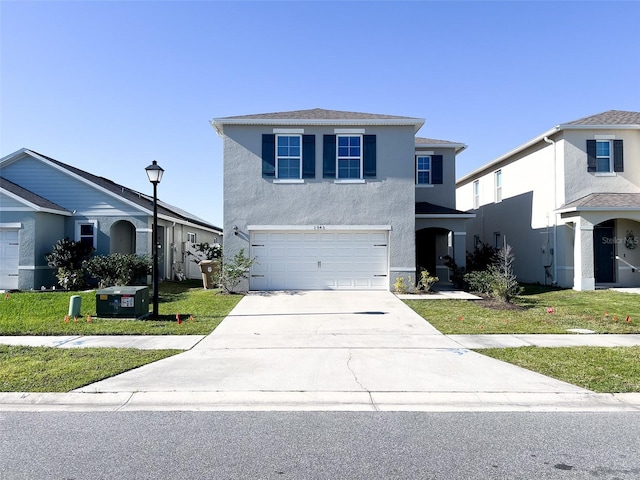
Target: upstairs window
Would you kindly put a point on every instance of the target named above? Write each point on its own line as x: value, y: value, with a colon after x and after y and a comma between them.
x: 423, y: 170
x: 288, y: 156
x: 476, y: 194
x: 605, y: 156
x: 349, y: 156
x: 498, y: 180
x: 428, y: 169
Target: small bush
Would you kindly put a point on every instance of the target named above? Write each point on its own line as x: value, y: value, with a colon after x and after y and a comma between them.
x: 67, y: 256
x: 479, y: 281
x: 118, y: 269
x: 426, y: 281
x: 233, y: 271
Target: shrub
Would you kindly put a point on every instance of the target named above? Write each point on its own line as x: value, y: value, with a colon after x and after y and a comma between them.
x: 426, y: 281
x: 479, y: 281
x: 233, y: 271
x: 67, y: 256
x: 118, y: 269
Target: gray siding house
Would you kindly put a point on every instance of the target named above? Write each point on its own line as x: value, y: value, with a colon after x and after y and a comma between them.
x: 326, y: 199
x: 43, y: 200
x: 567, y: 201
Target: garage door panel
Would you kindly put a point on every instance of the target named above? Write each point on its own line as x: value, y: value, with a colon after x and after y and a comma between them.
x: 313, y: 260
x: 9, y: 259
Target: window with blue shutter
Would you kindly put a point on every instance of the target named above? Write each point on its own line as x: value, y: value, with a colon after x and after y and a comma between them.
x: 436, y: 169
x: 604, y: 156
x: 308, y: 156
x: 268, y: 155
x: 288, y: 156
x: 369, y: 154
x: 329, y: 156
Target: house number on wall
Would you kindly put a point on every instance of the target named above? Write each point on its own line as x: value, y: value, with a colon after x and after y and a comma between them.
x: 318, y: 227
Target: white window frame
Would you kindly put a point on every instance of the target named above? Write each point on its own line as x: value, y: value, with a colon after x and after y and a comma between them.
x: 430, y: 170
x: 191, y: 237
x: 498, y: 185
x: 360, y: 157
x: 476, y: 194
x: 299, y: 158
x: 94, y: 224
x: 609, y: 157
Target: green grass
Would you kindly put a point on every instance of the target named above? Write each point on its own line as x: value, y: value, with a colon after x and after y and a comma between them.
x: 43, y: 313
x: 601, y: 369
x: 43, y: 369
x: 603, y: 311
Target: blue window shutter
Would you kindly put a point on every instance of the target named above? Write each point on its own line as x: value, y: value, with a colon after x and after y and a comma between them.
x: 329, y: 156
x: 369, y: 156
x: 308, y: 156
x: 436, y: 169
x: 618, y: 160
x: 268, y: 155
x: 591, y: 156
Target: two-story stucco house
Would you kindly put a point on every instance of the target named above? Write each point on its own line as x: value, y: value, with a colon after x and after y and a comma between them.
x: 43, y: 200
x: 326, y: 199
x: 567, y: 201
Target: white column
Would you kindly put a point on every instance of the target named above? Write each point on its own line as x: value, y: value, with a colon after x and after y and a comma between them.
x: 583, y: 269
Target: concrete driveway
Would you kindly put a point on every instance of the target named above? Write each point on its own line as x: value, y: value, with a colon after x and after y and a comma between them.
x: 335, y: 350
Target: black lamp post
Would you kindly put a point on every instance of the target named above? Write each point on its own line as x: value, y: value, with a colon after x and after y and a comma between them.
x: 154, y: 172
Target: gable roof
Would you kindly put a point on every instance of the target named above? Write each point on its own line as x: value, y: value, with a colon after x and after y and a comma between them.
x: 604, y: 201
x: 30, y: 199
x: 316, y: 116
x: 611, y: 120
x: 434, y: 143
x: 140, y: 199
x: 610, y: 117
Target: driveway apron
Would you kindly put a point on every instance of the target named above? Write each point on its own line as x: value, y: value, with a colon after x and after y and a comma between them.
x: 328, y: 342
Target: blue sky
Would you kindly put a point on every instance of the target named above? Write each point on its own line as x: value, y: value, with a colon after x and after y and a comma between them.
x: 110, y: 86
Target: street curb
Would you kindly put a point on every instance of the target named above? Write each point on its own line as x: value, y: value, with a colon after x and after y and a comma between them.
x: 320, y: 401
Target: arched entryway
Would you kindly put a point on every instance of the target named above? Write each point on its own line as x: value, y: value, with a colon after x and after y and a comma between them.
x: 123, y: 237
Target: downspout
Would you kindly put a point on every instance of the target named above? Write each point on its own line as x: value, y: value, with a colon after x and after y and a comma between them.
x: 555, y: 215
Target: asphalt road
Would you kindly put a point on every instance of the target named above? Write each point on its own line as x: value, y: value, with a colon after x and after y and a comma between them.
x: 319, y: 445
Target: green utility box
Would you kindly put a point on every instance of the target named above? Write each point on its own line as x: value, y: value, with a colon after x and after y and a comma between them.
x: 128, y: 302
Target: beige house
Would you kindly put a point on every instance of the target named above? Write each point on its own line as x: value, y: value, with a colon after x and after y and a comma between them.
x: 567, y: 201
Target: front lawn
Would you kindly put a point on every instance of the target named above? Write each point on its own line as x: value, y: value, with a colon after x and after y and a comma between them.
x: 43, y: 313
x: 601, y: 369
x: 42, y: 369
x: 538, y: 310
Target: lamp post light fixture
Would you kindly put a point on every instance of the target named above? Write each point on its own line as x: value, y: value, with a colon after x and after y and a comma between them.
x: 154, y: 172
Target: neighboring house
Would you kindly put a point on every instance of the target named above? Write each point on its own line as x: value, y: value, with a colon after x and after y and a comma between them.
x: 43, y: 200
x: 567, y: 201
x: 326, y: 199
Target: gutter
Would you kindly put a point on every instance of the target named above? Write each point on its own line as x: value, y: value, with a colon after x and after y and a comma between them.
x: 555, y: 203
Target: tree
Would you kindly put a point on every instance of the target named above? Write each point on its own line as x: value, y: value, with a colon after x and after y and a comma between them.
x: 504, y: 284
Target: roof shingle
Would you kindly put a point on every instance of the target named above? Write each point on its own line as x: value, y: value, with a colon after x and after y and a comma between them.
x: 610, y: 117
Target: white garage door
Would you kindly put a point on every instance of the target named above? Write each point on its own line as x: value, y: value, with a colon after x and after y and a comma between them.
x: 319, y: 260
x: 8, y: 259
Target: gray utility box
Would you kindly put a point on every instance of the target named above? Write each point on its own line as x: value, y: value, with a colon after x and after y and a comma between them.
x: 128, y: 302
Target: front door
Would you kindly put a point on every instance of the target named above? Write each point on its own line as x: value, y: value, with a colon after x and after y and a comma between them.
x: 604, y: 255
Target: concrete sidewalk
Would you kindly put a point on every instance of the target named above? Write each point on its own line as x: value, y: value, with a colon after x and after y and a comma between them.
x: 471, y: 342
x: 329, y: 351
